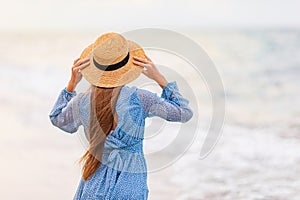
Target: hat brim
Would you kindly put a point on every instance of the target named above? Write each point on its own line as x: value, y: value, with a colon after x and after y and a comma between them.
x: 119, y: 77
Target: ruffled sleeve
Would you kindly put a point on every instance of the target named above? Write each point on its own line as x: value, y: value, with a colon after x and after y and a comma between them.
x: 171, y: 105
x: 65, y: 113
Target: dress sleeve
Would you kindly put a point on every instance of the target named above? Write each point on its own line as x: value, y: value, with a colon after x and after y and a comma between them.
x: 65, y: 113
x: 171, y: 105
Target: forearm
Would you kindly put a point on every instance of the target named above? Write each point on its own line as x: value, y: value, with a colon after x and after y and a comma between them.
x: 64, y: 114
x: 71, y: 86
x: 161, y: 80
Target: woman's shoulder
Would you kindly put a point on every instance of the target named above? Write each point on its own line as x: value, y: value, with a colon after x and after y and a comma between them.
x: 83, y: 98
x: 133, y: 90
x: 127, y: 92
x: 131, y: 94
x: 139, y: 95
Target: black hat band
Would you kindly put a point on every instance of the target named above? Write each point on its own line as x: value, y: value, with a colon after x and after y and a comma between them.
x: 113, y: 66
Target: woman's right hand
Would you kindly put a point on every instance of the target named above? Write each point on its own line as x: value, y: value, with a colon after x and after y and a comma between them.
x: 150, y: 70
x: 76, y: 75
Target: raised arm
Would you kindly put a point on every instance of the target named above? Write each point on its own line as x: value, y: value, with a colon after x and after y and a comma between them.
x: 65, y: 113
x: 171, y: 105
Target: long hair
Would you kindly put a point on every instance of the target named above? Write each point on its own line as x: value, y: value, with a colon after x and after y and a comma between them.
x: 102, y: 118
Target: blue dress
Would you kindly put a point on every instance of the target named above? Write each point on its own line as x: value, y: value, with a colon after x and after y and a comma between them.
x: 123, y: 172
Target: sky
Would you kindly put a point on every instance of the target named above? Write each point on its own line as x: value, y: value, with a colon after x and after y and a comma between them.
x: 127, y: 14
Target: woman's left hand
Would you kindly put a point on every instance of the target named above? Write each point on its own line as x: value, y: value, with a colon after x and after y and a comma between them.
x: 150, y: 70
x: 76, y: 74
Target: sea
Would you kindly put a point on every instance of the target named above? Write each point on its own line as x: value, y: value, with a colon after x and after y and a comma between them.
x: 255, y: 153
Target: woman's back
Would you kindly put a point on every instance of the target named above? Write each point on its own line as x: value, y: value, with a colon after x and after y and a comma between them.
x: 123, y: 158
x: 132, y: 107
x: 114, y: 163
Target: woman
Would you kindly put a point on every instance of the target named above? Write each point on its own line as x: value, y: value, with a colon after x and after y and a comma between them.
x: 113, y: 116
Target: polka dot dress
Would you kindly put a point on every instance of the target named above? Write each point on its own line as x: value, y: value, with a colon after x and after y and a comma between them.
x: 123, y: 173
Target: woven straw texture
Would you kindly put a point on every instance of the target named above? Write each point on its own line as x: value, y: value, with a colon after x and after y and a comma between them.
x: 108, y: 49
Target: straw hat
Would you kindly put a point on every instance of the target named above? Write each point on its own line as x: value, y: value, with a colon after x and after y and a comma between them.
x: 111, y: 61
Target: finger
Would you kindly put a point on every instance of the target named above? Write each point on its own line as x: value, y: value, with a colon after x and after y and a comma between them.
x: 75, y: 70
x: 140, y: 63
x: 86, y: 59
x: 148, y: 58
x: 140, y: 59
x: 84, y: 65
x: 82, y: 61
x: 75, y: 61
